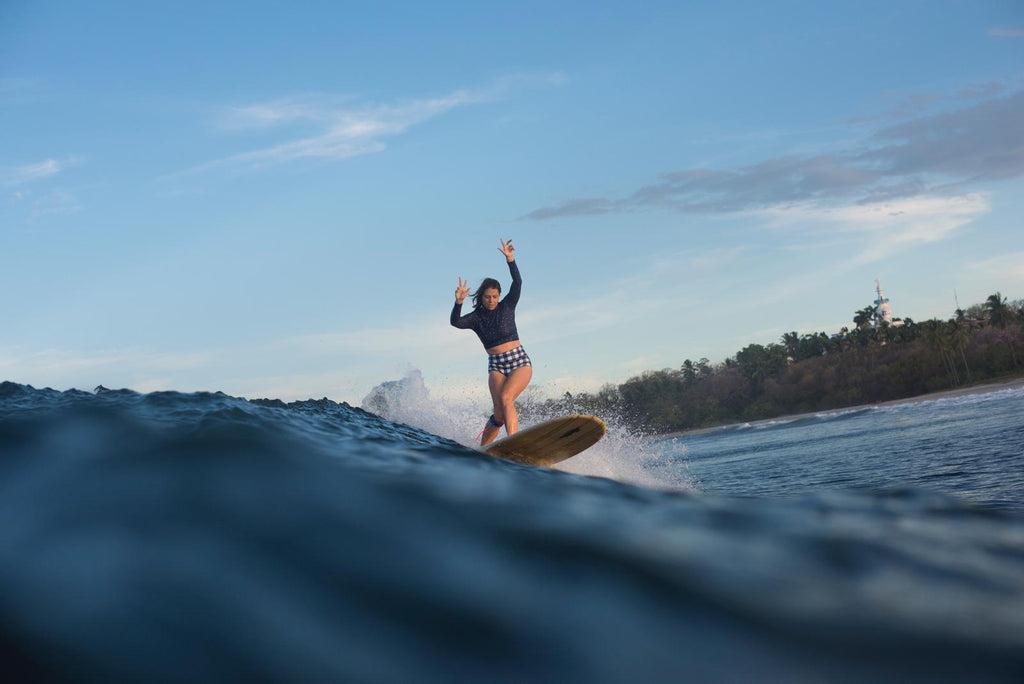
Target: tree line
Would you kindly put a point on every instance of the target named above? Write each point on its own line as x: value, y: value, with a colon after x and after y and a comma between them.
x: 873, y: 361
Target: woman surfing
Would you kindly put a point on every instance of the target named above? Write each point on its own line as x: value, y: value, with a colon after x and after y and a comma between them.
x: 508, y: 367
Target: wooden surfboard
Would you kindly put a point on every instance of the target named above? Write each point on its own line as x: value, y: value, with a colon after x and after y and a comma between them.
x: 549, y: 442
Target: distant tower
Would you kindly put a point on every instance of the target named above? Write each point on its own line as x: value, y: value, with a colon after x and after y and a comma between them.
x: 883, y: 314
x: 882, y: 310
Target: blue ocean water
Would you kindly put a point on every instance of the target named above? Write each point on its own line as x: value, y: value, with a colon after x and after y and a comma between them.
x: 171, y: 536
x: 969, y: 446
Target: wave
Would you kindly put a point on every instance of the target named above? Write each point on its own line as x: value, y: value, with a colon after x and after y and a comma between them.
x: 792, y: 420
x: 624, y: 454
x: 203, y: 536
x: 970, y: 398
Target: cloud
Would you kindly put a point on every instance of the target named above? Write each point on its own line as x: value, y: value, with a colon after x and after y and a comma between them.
x: 13, y: 176
x: 575, y: 207
x: 50, y: 363
x: 576, y: 317
x: 340, y: 132
x: 58, y: 363
x: 980, y: 143
x: 315, y: 108
x: 884, y: 228
x: 367, y: 355
x: 714, y: 259
x: 344, y: 133
x: 336, y: 128
x: 1006, y: 33
x: 772, y: 182
x: 431, y: 337
x: 1007, y: 269
x: 924, y: 156
x: 430, y: 334
x: 55, y: 203
x: 907, y: 106
x: 979, y: 91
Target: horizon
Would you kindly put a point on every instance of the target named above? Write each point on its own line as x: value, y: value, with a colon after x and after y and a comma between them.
x: 414, y: 375
x: 279, y: 204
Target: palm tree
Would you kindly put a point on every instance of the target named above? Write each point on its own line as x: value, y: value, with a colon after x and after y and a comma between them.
x: 937, y: 336
x: 791, y: 341
x: 960, y: 337
x: 999, y: 314
x: 689, y: 371
x: 863, y: 316
x: 758, y: 363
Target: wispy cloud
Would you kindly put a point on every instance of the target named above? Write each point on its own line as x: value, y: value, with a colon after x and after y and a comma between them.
x: 59, y: 363
x: 903, y: 105
x: 576, y: 317
x: 1007, y: 269
x: 1006, y: 33
x: 980, y: 143
x: 432, y: 337
x: 333, y: 128
x: 297, y: 108
x: 54, y: 203
x: 922, y: 157
x: 431, y: 334
x: 49, y: 363
x: 14, y: 176
x: 884, y: 228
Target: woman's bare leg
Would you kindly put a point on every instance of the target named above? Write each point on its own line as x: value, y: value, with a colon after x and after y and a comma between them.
x: 504, y: 391
x: 495, y: 383
x: 504, y: 400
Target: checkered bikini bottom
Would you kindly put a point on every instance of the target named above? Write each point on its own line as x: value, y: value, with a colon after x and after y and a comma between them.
x: 509, y: 361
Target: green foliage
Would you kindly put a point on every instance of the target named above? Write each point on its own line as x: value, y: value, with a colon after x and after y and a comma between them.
x: 999, y: 312
x: 815, y: 372
x: 864, y: 316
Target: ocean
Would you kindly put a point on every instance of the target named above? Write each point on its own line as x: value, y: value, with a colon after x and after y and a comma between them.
x: 203, y: 537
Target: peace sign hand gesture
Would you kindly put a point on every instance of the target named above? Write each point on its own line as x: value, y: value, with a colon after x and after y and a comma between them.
x: 461, y: 291
x: 508, y: 250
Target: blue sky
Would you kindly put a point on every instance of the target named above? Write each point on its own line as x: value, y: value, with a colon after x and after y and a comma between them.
x: 278, y: 202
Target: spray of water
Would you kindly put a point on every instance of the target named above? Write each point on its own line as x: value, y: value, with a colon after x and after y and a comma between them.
x: 624, y: 454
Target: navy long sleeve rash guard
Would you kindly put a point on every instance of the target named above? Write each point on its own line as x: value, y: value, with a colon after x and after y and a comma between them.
x: 498, y: 326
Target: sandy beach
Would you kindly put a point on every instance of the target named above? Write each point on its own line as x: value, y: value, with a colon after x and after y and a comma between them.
x: 959, y: 392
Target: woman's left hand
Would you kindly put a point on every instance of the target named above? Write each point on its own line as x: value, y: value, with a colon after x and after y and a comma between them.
x: 507, y: 249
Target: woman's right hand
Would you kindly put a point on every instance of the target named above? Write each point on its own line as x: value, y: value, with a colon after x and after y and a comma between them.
x: 461, y: 291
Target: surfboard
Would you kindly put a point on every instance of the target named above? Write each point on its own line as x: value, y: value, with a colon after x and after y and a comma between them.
x: 549, y: 442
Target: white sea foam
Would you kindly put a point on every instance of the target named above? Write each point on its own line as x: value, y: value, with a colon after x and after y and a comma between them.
x: 969, y: 399
x: 771, y: 423
x: 623, y: 454
x: 409, y: 401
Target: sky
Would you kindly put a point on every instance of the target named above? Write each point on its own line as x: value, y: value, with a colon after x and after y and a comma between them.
x: 277, y: 200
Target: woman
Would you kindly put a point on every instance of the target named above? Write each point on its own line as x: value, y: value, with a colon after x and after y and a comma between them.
x: 508, y: 367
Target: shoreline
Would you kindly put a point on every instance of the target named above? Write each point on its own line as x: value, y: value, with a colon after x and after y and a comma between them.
x: 943, y: 394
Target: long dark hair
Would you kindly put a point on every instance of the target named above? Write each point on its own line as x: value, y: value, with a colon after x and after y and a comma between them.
x: 488, y: 284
